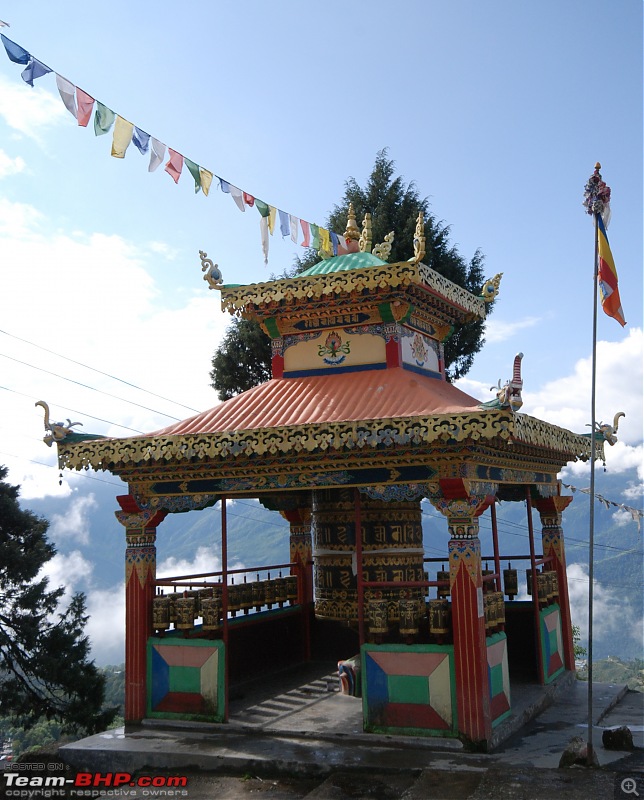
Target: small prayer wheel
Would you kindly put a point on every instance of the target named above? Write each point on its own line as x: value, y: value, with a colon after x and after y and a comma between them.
x: 161, y: 613
x: 269, y: 592
x: 377, y: 611
x: 511, y: 582
x: 258, y: 594
x: 172, y: 599
x: 210, y: 612
x: 489, y: 611
x: 442, y: 591
x: 185, y: 613
x: 246, y: 591
x: 204, y: 594
x: 555, y: 586
x: 291, y: 588
x: 281, y: 595
x: 542, y: 588
x: 408, y: 617
x: 439, y: 617
x: 499, y: 609
x: 234, y: 597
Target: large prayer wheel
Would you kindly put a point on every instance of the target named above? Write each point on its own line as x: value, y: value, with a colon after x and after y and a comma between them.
x: 392, y: 548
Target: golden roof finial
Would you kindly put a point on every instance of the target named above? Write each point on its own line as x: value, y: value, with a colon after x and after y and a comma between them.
x: 364, y: 242
x: 383, y: 250
x: 352, y: 231
x: 419, y: 239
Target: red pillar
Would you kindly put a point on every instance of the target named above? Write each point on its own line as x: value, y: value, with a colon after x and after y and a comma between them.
x: 468, y: 618
x: 140, y: 576
x: 550, y: 509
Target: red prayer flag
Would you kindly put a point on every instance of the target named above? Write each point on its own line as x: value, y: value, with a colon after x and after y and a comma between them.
x: 174, y: 165
x: 85, y: 105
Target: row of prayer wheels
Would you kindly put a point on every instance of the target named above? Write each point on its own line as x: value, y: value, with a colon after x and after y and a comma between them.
x: 181, y: 609
x: 547, y: 586
x: 407, y: 612
x: 494, y: 610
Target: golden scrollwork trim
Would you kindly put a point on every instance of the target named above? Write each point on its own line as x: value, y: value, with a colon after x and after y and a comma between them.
x: 239, y: 299
x: 368, y: 437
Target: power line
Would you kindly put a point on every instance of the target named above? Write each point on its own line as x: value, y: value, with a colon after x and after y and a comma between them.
x: 86, y: 386
x: 74, y: 411
x: 100, y: 372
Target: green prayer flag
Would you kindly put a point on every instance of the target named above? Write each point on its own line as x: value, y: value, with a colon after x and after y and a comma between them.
x: 103, y: 119
x: 262, y: 207
x: 193, y: 169
x: 315, y: 236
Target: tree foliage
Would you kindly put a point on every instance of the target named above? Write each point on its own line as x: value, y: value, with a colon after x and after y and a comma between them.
x: 45, y: 670
x: 394, y: 206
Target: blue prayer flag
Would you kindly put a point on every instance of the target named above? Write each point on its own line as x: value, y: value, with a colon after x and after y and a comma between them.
x: 285, y: 224
x: 16, y: 53
x: 334, y: 243
x: 34, y: 69
x: 141, y: 139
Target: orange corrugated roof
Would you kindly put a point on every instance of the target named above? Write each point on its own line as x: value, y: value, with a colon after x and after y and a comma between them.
x: 343, y: 397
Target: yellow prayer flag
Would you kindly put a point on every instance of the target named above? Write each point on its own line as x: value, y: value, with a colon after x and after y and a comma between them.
x: 206, y: 180
x: 325, y: 241
x: 122, y: 137
x: 271, y: 219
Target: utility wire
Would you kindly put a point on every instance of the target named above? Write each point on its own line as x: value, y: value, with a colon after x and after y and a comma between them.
x: 74, y: 411
x: 93, y: 388
x: 100, y: 372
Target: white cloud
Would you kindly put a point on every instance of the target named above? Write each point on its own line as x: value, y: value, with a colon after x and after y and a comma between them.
x: 67, y: 570
x: 29, y: 111
x: 75, y: 523
x: 497, y: 330
x: 106, y: 625
x: 204, y: 561
x: 10, y: 166
x: 566, y: 401
x: 613, y: 615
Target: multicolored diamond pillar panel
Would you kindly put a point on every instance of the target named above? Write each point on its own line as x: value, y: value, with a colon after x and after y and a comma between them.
x: 409, y: 689
x: 186, y: 679
x: 551, y: 642
x: 498, y: 676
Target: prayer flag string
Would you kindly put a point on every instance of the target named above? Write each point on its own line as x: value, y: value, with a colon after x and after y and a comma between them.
x: 81, y: 105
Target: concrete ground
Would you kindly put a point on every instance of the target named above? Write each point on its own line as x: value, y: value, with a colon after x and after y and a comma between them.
x: 306, y: 741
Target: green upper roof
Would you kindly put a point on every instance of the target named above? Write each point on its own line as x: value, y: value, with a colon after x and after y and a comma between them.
x: 343, y: 263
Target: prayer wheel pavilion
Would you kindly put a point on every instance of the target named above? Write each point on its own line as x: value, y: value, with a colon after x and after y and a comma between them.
x: 356, y: 427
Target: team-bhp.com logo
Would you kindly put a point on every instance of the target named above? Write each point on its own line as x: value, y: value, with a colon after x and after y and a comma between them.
x: 85, y: 784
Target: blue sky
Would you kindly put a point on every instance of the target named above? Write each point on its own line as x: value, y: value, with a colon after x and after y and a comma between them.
x: 497, y: 111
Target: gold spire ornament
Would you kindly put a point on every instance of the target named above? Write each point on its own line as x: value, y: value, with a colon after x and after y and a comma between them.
x: 490, y: 288
x: 419, y: 239
x: 352, y: 231
x: 213, y: 276
x: 364, y: 243
x: 383, y: 250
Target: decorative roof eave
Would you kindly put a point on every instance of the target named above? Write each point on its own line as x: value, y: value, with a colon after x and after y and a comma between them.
x: 237, y: 299
x: 117, y: 455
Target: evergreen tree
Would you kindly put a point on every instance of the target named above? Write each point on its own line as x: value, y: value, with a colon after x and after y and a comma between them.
x: 44, y: 666
x: 243, y: 358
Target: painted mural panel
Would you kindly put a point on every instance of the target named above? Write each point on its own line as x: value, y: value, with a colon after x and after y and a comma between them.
x: 419, y: 352
x: 409, y: 689
x: 498, y: 676
x: 186, y: 679
x: 339, y: 348
x: 551, y: 642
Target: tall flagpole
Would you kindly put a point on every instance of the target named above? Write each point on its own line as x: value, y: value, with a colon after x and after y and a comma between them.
x: 596, y: 200
x: 591, y: 536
